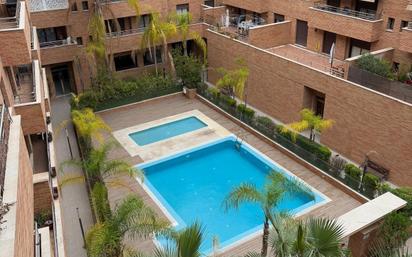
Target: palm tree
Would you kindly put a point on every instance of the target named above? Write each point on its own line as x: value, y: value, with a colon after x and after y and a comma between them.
x: 183, y: 21
x: 309, y: 120
x: 234, y: 81
x: 132, y: 219
x: 381, y: 249
x: 276, y: 188
x: 100, y: 202
x: 315, y: 237
x: 157, y: 34
x: 99, y: 167
x: 89, y: 126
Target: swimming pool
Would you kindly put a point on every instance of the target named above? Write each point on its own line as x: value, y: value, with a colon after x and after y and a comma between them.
x: 168, y: 130
x: 191, y: 186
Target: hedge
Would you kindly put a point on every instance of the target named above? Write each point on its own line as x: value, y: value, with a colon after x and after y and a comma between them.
x: 352, y: 171
x: 111, y: 92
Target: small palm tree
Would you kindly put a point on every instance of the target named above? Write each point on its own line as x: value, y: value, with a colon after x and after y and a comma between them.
x: 132, y: 219
x: 276, y: 188
x: 234, y: 81
x: 309, y: 120
x: 99, y: 167
x: 89, y: 126
x: 157, y: 34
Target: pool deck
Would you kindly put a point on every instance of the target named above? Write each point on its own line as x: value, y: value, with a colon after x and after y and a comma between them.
x: 133, y: 115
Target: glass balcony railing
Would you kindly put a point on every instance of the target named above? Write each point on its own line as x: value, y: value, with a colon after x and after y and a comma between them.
x: 365, y: 14
x: 62, y: 42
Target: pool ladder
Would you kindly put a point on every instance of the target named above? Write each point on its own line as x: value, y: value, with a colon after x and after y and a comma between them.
x: 239, y: 140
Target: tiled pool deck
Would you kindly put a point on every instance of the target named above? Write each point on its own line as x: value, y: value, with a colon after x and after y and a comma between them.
x: 133, y: 115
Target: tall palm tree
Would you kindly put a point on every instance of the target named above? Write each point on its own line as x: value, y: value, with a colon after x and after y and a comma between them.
x: 89, y: 126
x: 309, y: 120
x: 276, y: 188
x: 183, y: 21
x: 314, y: 237
x: 131, y: 219
x: 99, y: 167
x: 100, y: 202
x: 157, y: 34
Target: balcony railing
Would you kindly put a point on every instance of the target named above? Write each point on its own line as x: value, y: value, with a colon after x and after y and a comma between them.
x: 364, y: 14
x: 125, y: 32
x: 26, y: 87
x: 11, y: 22
x: 5, y: 120
x: 63, y: 42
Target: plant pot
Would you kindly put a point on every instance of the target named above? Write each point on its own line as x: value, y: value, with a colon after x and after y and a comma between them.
x: 190, y: 92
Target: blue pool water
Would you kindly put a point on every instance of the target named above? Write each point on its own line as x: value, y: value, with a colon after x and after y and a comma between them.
x: 167, y: 130
x: 192, y: 186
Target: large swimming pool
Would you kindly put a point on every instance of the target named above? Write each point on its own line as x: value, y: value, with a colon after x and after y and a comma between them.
x: 192, y: 185
x: 168, y: 130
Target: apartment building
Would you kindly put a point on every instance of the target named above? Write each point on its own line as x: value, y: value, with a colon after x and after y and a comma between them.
x: 26, y: 174
x: 288, y: 47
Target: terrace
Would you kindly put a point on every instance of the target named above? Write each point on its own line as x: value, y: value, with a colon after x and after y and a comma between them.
x: 47, y: 5
x: 312, y: 59
x: 342, y: 198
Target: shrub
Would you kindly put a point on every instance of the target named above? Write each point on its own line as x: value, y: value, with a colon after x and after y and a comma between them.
x: 213, y: 92
x: 188, y: 69
x: 265, y: 125
x: 43, y: 217
x: 246, y: 112
x: 395, y: 230
x: 371, y: 181
x: 230, y: 102
x: 406, y: 194
x: 352, y: 171
x: 375, y: 65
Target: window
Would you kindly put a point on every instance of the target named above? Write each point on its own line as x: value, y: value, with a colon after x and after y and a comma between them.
x: 210, y: 3
x: 85, y: 5
x: 182, y: 8
x: 403, y: 25
x: 125, y: 23
x: 358, y: 47
x: 391, y: 23
x: 125, y: 61
x: 51, y: 34
x: 149, y: 60
x: 144, y: 20
x: 74, y: 7
x: 79, y: 40
x: 279, y: 18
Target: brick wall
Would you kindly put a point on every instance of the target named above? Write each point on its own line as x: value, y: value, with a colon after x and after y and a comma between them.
x: 271, y: 35
x: 258, y: 6
x: 42, y: 195
x: 364, y: 119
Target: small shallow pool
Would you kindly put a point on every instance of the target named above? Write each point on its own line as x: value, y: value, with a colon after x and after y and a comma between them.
x: 168, y: 130
x: 191, y: 186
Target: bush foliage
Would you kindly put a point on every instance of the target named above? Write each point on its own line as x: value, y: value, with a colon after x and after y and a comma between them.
x: 352, y: 171
x: 188, y: 69
x: 375, y: 65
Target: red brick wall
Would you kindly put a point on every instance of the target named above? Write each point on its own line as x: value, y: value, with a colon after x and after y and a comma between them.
x: 270, y: 35
x: 365, y: 120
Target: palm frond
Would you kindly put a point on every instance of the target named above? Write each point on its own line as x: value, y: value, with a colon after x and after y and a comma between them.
x: 190, y: 240
x: 241, y: 194
x: 70, y: 179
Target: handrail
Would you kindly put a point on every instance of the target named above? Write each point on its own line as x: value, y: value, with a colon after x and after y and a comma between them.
x: 62, y: 42
x: 369, y: 15
x: 125, y: 32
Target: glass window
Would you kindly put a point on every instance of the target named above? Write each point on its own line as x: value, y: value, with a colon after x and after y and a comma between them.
x: 148, y: 58
x: 85, y: 5
x: 74, y: 7
x: 144, y: 20
x: 182, y: 8
x: 124, y: 61
x: 391, y: 23
x: 279, y: 18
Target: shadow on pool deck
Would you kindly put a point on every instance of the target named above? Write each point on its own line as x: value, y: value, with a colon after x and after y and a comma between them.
x: 132, y: 115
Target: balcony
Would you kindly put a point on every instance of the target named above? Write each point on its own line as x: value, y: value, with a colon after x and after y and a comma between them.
x: 258, y: 6
x: 406, y: 39
x: 58, y: 51
x: 409, y: 6
x: 48, y: 5
x: 29, y: 100
x: 15, y: 36
x: 365, y: 25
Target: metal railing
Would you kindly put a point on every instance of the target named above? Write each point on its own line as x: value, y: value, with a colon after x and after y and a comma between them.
x: 37, y: 241
x: 62, y: 42
x: 125, y: 32
x: 366, y: 14
x: 5, y: 121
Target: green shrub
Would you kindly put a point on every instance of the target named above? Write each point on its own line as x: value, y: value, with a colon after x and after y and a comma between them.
x: 188, y: 69
x: 352, y: 171
x: 246, y: 112
x: 406, y: 194
x: 230, y: 102
x: 375, y: 65
x: 213, y: 92
x: 265, y: 122
x: 42, y: 217
x: 371, y: 181
x: 394, y: 230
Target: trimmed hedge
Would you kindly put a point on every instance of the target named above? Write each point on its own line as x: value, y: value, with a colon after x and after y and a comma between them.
x: 111, y: 92
x: 352, y: 171
x: 247, y: 113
